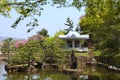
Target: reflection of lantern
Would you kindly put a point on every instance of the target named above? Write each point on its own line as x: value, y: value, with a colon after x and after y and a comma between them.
x: 20, y: 42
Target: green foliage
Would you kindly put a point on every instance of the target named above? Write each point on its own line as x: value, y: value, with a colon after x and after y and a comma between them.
x: 4, y: 10
x: 52, y: 50
x: 17, y: 58
x: 116, y: 60
x: 78, y: 29
x: 77, y: 4
x: 112, y: 60
x: 60, y: 43
x: 101, y: 21
x: 78, y: 54
x: 69, y: 23
x: 31, y: 49
x: 111, y: 45
x: 63, y: 54
x: 97, y: 52
x: 26, y: 53
x: 43, y: 32
x: 7, y: 47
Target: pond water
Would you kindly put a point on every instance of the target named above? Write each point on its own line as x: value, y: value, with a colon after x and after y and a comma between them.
x: 91, y: 73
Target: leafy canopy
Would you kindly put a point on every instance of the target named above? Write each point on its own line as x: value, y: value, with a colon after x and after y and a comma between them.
x: 7, y: 47
x: 102, y: 22
x: 32, y: 9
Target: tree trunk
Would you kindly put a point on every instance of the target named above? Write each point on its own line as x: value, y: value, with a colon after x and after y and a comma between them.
x: 8, y: 58
x: 29, y: 63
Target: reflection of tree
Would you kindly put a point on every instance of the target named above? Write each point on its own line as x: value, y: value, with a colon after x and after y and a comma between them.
x: 74, y: 78
x: 95, y: 77
x: 110, y: 75
x: 22, y: 76
x: 11, y: 76
x: 99, y: 74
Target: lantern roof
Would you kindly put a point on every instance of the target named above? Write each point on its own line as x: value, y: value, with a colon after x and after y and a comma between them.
x: 74, y: 35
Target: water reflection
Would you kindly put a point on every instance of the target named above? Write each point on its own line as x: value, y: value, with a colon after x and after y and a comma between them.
x: 21, y: 76
x: 84, y: 77
x: 2, y: 71
x: 90, y: 73
x: 74, y: 78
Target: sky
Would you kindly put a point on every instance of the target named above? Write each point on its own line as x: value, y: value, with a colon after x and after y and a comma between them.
x: 52, y: 19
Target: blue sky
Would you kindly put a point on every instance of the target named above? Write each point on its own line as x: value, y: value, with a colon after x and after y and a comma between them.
x: 52, y: 19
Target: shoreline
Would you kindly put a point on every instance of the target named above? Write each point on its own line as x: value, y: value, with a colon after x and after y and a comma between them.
x: 3, y: 58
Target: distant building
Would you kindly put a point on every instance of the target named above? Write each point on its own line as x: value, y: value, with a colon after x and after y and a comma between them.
x: 74, y: 41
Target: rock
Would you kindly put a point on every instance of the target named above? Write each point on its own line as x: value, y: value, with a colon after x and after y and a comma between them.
x: 22, y: 69
x: 50, y: 66
x: 31, y: 69
x: 37, y: 64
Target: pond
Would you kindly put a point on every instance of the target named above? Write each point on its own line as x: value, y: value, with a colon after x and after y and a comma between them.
x: 91, y: 73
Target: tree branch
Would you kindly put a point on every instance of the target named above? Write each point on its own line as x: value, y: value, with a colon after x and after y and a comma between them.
x: 21, y: 3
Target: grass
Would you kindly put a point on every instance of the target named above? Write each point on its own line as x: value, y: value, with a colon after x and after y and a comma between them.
x: 82, y: 54
x: 96, y: 53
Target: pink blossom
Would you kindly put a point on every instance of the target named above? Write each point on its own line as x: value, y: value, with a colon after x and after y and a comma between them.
x: 20, y: 42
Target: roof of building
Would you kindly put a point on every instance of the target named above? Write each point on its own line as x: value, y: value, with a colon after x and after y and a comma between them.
x: 74, y: 35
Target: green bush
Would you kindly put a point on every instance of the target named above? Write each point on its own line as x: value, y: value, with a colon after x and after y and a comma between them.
x: 116, y: 59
